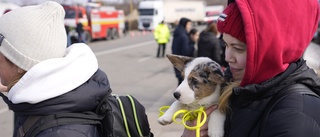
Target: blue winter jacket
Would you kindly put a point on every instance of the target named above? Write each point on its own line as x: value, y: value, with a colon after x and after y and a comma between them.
x: 180, y: 43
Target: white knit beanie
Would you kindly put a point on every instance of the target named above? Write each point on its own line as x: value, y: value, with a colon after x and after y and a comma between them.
x: 31, y: 34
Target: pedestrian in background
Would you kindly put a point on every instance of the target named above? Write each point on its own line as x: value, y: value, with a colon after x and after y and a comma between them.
x: 80, y: 31
x: 44, y: 77
x: 162, y: 36
x: 194, y: 37
x: 180, y: 43
x: 272, y: 92
x: 209, y: 45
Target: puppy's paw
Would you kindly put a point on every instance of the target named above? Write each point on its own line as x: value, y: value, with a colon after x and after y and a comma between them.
x: 165, y: 120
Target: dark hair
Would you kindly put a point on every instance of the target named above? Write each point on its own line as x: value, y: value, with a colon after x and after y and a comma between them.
x: 230, y: 1
x: 212, y: 27
x: 183, y: 22
x: 193, y: 31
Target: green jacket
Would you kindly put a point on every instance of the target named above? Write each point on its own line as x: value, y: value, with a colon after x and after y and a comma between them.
x: 162, y: 34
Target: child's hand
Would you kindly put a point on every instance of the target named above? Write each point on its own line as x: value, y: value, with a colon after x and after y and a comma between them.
x: 203, y: 129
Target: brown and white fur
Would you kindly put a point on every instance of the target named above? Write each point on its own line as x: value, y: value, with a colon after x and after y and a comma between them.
x: 201, y: 87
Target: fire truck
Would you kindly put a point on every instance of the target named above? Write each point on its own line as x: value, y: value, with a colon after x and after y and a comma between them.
x: 97, y: 22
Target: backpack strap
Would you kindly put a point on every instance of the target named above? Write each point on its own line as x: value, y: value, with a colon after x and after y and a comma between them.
x: 27, y: 125
x: 132, y: 116
x: 135, y: 114
x: 284, y: 92
x: 35, y: 124
x: 123, y: 115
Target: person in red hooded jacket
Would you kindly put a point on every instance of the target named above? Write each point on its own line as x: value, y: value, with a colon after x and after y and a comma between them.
x: 265, y: 41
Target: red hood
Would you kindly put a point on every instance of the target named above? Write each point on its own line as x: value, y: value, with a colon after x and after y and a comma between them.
x: 277, y: 33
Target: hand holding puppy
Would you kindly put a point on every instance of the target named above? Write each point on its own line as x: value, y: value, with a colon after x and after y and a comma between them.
x: 204, y: 128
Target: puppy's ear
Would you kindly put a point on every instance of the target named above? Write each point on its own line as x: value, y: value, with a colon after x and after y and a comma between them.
x: 178, y: 62
x: 215, y: 73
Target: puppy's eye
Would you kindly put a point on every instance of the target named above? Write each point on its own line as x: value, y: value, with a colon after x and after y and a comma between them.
x: 194, y: 81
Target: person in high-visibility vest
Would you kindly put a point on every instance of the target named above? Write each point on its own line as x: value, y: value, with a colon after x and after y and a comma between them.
x: 162, y: 36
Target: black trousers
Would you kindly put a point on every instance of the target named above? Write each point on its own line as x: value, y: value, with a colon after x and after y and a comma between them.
x: 161, y: 47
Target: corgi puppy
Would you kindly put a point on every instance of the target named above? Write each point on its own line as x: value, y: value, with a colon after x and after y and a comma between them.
x: 201, y: 87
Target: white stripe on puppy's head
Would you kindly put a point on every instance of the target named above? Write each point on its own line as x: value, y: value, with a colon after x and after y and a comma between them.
x: 202, y: 77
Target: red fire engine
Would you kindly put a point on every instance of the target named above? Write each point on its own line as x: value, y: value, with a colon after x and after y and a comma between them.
x: 98, y: 22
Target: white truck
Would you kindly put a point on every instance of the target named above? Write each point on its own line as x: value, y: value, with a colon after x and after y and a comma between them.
x: 151, y: 13
x: 213, y: 12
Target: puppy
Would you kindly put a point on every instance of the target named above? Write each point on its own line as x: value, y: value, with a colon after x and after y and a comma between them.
x: 201, y: 87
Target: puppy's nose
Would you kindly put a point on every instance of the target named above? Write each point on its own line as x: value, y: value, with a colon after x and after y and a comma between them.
x: 176, y: 95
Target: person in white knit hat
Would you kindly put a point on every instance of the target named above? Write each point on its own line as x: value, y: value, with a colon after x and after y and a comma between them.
x: 42, y: 76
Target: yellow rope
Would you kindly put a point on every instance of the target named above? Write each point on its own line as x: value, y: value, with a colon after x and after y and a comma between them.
x: 188, y: 115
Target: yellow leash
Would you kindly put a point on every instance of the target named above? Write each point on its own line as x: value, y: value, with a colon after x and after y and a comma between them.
x: 188, y: 115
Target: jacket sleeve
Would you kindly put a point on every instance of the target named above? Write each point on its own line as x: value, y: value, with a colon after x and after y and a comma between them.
x: 168, y: 33
x: 155, y: 33
x: 185, y: 48
x: 294, y: 118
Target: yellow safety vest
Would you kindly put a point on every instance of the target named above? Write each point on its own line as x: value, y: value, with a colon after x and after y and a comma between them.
x: 162, y: 33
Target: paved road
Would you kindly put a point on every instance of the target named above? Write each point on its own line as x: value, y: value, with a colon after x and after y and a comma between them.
x: 132, y: 68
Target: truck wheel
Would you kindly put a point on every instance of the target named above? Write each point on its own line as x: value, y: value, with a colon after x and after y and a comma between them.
x: 114, y: 33
x: 109, y: 34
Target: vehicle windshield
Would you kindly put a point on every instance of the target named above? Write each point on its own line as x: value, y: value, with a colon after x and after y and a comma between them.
x: 146, y: 12
x: 70, y: 13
